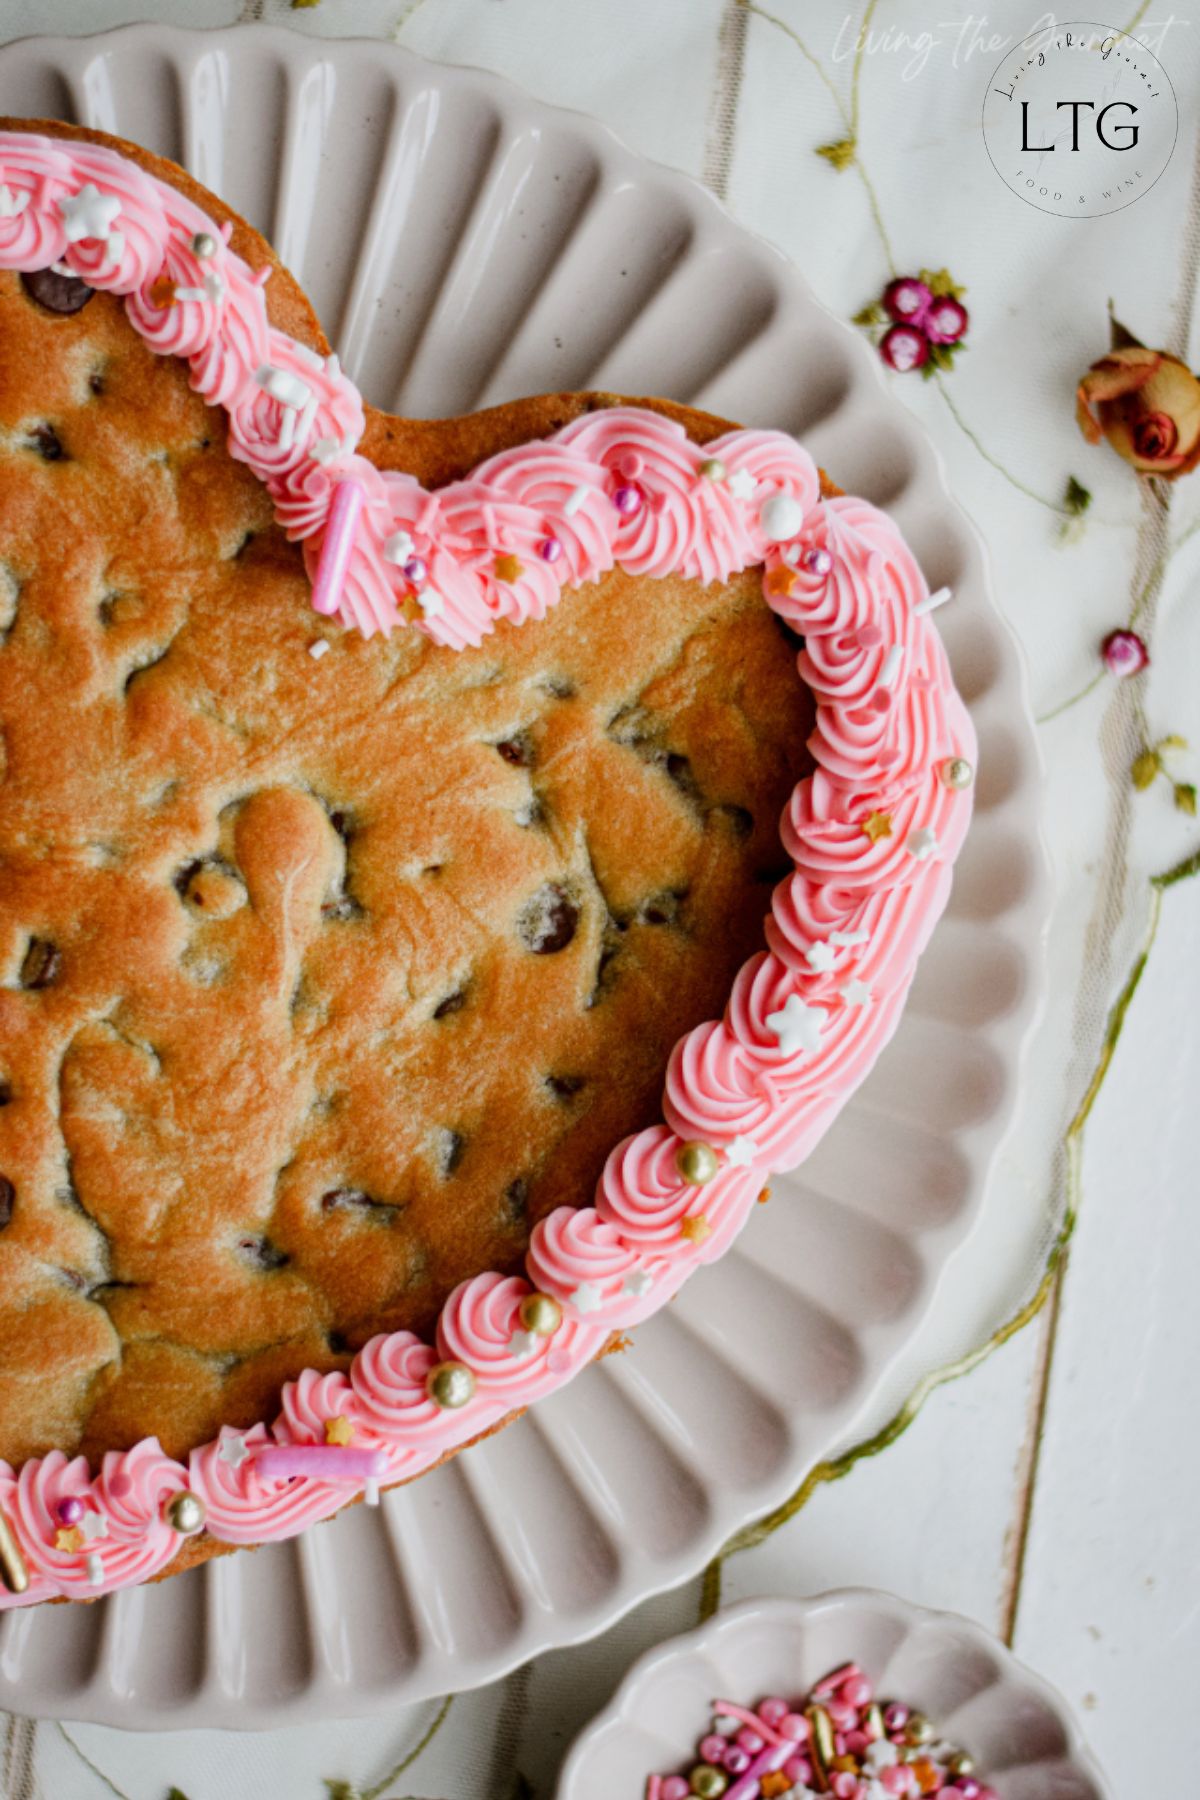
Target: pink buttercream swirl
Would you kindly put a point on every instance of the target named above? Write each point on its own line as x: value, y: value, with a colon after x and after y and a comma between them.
x: 619, y: 486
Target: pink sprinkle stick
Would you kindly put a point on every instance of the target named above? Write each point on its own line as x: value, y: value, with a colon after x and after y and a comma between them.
x: 339, y: 540
x: 328, y: 1462
x: 765, y: 1763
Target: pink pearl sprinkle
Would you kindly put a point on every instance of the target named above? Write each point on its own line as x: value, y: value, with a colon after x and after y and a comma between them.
x: 70, y: 1510
x: 415, y: 570
x: 737, y: 1760
x: 550, y: 549
x: 675, y: 1788
x: 844, y: 1717
x: 627, y: 500
x: 795, y: 1726
x: 895, y: 1716
x: 818, y: 561
x: 856, y: 1742
x: 631, y: 466
x: 773, y: 1710
x: 120, y: 1485
x: 858, y: 1690
x: 798, y: 1768
x: 845, y: 1785
x: 712, y: 1748
x: 896, y: 1780
x: 751, y: 1740
x: 969, y: 1788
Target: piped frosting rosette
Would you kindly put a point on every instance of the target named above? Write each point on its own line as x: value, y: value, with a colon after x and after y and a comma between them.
x: 481, y: 1326
x: 116, y: 1534
x: 871, y: 834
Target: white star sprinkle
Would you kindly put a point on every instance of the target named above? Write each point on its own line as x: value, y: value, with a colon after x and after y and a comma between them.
x: 12, y: 205
x: 95, y: 1570
x: 855, y: 993
x: 93, y: 1525
x: 797, y: 1026
x: 521, y: 1343
x: 921, y: 843
x: 742, y: 484
x: 89, y: 213
x: 638, y: 1282
x: 587, y: 1297
x: 741, y: 1152
x: 327, y: 450
x: 283, y: 386
x: 431, y: 603
x: 820, y: 957
x: 233, y: 1450
x: 398, y: 548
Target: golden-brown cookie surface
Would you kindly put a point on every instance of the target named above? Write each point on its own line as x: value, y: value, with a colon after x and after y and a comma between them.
x: 320, y: 981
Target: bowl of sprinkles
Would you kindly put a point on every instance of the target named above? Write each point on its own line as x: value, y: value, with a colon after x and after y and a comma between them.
x: 853, y: 1694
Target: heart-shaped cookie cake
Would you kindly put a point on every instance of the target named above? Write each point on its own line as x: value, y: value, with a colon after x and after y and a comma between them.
x: 389, y: 814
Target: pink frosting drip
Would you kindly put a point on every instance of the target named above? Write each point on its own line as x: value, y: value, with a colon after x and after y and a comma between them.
x: 618, y: 486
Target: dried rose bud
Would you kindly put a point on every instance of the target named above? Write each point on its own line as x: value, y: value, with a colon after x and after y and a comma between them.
x: 1124, y: 653
x: 945, y: 321
x: 906, y: 300
x: 904, y: 348
x: 1147, y: 404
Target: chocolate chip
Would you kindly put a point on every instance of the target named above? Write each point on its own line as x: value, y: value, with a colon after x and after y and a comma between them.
x: 516, y: 1200
x: 339, y: 1343
x: 57, y: 293
x: 96, y: 382
x: 565, y: 1087
x: 517, y: 750
x: 548, y: 922
x: 662, y: 909
x: 8, y: 1194
x: 449, y: 1150
x: 46, y: 441
x: 786, y: 632
x: 343, y: 823
x: 679, y: 770
x: 41, y: 964
x: 261, y: 1253
x: 451, y: 1004
x: 739, y: 820
x: 558, y: 686
x: 5, y: 1091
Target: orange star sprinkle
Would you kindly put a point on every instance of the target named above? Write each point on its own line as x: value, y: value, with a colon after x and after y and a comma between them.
x: 70, y: 1540
x: 507, y: 568
x: 339, y: 1431
x: 779, y: 581
x: 696, y: 1228
x: 773, y: 1783
x: 877, y: 825
x: 162, y: 292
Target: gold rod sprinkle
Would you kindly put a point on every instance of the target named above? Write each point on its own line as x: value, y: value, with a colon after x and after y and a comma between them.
x: 13, y: 1572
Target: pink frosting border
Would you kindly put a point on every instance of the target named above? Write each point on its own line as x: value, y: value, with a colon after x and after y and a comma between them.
x: 807, y: 1016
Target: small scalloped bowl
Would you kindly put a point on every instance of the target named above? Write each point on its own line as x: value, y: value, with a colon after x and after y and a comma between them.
x: 1018, y: 1729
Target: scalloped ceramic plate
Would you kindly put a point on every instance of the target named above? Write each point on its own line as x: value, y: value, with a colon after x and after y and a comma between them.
x: 463, y: 245
x: 1018, y: 1729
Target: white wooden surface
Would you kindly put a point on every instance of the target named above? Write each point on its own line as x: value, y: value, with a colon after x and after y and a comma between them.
x: 1050, y: 1493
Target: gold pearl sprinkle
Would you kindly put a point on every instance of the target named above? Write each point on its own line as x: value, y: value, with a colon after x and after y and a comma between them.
x: 185, y: 1514
x: 450, y: 1384
x: 541, y: 1314
x: 713, y: 469
x: 204, y: 246
x: 956, y: 772
x: 959, y: 1763
x: 13, y: 1571
x: 918, y: 1730
x: 697, y: 1163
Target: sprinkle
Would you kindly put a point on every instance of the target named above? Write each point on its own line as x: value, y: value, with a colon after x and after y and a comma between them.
x: 877, y: 825
x: 319, y: 649
x: 742, y: 484
x: 214, y: 287
x: 416, y: 570
x: 204, y: 246
x: 695, y: 1228
x: 431, y: 603
x: 327, y: 450
x: 339, y: 1430
x: 508, y: 568
x: 88, y: 214
x: 339, y: 542
x: 820, y: 957
x: 93, y: 1525
x: 780, y: 517
x: 283, y: 386
x: 14, y: 1572
x: 68, y: 1538
x: 741, y: 1152
x: 586, y: 1297
x: 779, y: 580
x: 12, y: 205
x: 797, y: 1026
x: 818, y: 561
x: 550, y: 549
x: 95, y: 1569
x: 891, y: 666
x: 324, y: 1462
x: 855, y: 992
x: 69, y: 1510
x: 575, y: 499
x: 932, y: 601
x: 848, y: 937
x: 371, y: 1491
x: 521, y: 1343
x: 114, y: 249
x: 287, y: 428
x: 921, y: 843
x: 181, y: 293
x: 638, y: 1282
x: 628, y: 501
x: 712, y: 469
x: 233, y: 1450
